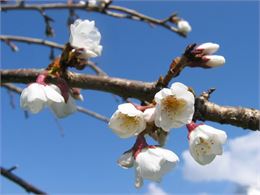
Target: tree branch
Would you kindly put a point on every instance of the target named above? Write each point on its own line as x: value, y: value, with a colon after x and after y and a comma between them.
x: 110, y: 10
x: 145, y: 91
x: 21, y: 182
x: 246, y: 118
x: 31, y: 40
x: 118, y: 86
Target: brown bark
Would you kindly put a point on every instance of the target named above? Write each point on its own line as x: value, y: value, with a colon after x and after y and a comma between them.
x: 145, y: 91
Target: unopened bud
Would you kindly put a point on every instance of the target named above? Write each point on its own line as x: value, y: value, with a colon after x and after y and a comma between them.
x: 208, y: 48
x: 213, y: 60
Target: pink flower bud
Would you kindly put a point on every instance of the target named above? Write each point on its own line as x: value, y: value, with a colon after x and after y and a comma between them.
x: 213, y: 60
x: 208, y: 48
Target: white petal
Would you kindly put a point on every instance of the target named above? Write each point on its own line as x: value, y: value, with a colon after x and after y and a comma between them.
x: 149, y: 164
x: 167, y: 154
x: 23, y: 98
x: 53, y: 94
x: 220, y: 135
x: 214, y: 60
x: 62, y: 109
x: 36, y: 91
x: 149, y: 115
x: 129, y: 109
x: 126, y: 160
x: 208, y: 48
x: 178, y: 85
x: 161, y: 94
x: 33, y: 98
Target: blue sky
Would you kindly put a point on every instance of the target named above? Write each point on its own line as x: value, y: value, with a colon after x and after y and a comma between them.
x: 84, y: 160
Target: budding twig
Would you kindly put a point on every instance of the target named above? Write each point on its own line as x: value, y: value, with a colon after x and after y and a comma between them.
x: 30, y: 40
x: 110, y: 10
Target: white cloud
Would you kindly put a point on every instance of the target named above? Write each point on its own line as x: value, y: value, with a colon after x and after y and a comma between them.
x: 240, y: 163
x: 154, y: 189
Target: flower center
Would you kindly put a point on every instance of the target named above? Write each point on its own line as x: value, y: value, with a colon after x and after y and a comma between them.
x: 204, y: 147
x: 129, y: 121
x: 171, y: 104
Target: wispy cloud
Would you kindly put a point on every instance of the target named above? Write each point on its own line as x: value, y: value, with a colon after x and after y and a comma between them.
x: 240, y: 163
x: 154, y: 189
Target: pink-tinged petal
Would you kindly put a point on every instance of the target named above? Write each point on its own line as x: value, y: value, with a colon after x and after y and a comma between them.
x: 208, y: 48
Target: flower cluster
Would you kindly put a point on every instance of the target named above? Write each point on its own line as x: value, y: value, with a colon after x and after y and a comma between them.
x: 40, y: 94
x: 85, y: 40
x: 173, y: 108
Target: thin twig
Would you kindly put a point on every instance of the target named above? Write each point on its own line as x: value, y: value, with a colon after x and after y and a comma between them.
x: 91, y: 113
x: 21, y: 182
x: 97, y: 70
x: 8, y: 38
x: 30, y: 40
x: 110, y: 10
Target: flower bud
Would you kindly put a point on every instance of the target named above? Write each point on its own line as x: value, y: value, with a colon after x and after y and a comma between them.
x: 207, y: 48
x: 213, y: 60
x: 183, y: 26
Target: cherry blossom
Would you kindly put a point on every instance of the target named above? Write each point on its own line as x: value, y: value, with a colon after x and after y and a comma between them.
x: 127, y: 121
x: 85, y: 36
x: 205, y: 142
x: 175, y: 107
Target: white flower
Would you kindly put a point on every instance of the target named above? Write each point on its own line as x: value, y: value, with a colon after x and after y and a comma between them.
x: 205, y: 143
x: 183, y: 26
x: 208, y: 48
x: 175, y: 107
x: 153, y: 164
x: 126, y: 160
x: 62, y: 109
x: 85, y: 35
x: 127, y: 121
x: 214, y: 60
x: 36, y: 96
